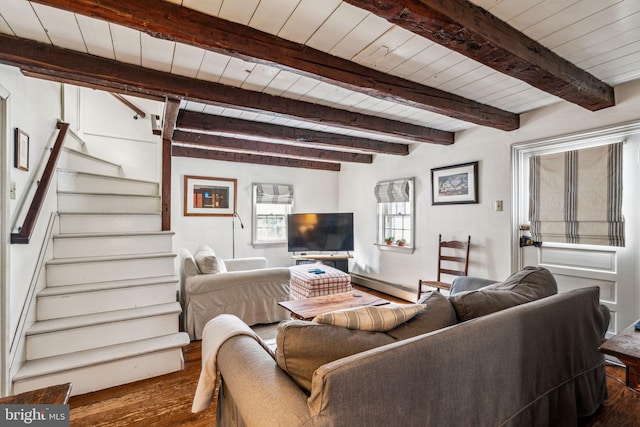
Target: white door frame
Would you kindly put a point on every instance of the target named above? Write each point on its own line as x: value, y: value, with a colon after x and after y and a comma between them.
x: 613, y: 269
x: 5, y: 165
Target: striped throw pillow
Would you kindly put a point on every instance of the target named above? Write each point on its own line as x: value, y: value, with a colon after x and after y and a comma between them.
x: 371, y: 318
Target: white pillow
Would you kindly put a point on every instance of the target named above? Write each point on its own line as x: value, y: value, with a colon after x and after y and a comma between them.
x: 189, y: 263
x: 208, y: 262
x: 371, y: 318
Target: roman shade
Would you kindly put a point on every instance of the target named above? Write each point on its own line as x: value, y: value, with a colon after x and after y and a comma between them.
x: 576, y: 196
x: 278, y: 194
x: 392, y: 191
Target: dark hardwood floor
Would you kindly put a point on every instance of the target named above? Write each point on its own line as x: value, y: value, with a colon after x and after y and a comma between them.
x: 159, y: 401
x: 166, y: 401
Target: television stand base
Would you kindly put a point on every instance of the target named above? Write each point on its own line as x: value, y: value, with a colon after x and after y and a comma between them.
x: 340, y: 262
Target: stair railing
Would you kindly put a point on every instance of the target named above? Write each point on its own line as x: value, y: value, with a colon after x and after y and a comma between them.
x: 24, y: 232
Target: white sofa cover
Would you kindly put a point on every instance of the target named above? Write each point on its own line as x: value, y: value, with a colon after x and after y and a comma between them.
x: 248, y: 289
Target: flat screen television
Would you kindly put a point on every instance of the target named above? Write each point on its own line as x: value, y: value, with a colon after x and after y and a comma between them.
x: 326, y: 232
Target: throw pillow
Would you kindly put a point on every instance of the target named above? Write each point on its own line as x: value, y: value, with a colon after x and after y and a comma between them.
x: 303, y: 346
x: 371, y: 318
x: 438, y: 314
x: 208, y: 262
x: 526, y: 285
x: 189, y: 263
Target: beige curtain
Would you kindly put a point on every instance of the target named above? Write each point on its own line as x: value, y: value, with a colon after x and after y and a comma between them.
x: 280, y: 194
x: 576, y: 196
x: 392, y: 191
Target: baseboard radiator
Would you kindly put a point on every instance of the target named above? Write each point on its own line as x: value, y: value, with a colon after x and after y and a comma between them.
x: 395, y: 289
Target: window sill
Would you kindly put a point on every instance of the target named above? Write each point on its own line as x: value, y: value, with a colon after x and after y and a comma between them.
x: 395, y: 248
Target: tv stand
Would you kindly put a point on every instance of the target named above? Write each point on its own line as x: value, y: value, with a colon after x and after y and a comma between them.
x: 339, y: 261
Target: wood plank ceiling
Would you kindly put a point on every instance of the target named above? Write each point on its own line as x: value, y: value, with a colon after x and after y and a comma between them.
x: 308, y: 83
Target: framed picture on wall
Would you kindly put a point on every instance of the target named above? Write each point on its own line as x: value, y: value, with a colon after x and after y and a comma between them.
x: 21, y: 150
x: 455, y: 184
x: 205, y: 196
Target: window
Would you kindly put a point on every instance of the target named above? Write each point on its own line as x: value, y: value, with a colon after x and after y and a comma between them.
x: 271, y: 205
x: 395, y: 212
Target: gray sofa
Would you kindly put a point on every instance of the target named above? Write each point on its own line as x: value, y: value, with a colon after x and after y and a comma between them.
x: 245, y: 287
x: 513, y: 353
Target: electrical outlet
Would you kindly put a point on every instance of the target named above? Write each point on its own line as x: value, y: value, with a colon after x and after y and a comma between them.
x: 498, y: 206
x: 12, y: 190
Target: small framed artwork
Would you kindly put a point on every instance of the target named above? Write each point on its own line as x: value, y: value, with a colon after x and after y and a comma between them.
x: 455, y: 184
x: 204, y: 196
x: 21, y: 150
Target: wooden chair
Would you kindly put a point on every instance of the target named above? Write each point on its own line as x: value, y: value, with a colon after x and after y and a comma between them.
x: 452, y: 254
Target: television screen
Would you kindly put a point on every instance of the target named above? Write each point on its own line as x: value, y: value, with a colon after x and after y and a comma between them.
x: 320, y: 232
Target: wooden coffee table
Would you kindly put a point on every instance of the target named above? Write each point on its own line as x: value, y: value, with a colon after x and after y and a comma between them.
x: 626, y: 347
x: 307, y: 309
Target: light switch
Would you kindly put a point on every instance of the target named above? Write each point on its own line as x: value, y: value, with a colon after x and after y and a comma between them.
x: 498, y: 206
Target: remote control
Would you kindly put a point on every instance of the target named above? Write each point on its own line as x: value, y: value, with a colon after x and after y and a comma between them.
x: 637, y: 325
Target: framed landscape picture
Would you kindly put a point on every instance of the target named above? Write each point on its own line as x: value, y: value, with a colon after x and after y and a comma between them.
x: 205, y: 196
x: 455, y: 184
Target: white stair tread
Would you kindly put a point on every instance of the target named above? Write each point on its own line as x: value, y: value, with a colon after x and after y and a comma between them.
x: 110, y: 177
x: 65, y: 323
x: 63, y: 261
x: 104, y: 195
x: 89, y: 156
x: 108, y: 234
x: 103, y: 286
x: 109, y: 213
x: 49, y: 365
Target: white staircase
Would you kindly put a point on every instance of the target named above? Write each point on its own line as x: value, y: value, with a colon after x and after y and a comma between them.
x: 108, y: 315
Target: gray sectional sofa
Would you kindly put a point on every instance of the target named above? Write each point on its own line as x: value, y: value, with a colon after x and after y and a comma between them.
x: 513, y: 353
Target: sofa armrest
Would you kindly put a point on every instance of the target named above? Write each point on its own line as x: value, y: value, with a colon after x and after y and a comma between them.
x: 205, y: 283
x: 606, y: 318
x: 241, y: 264
x: 468, y: 283
x: 254, y: 390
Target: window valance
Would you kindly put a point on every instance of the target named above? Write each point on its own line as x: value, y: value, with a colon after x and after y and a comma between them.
x: 278, y: 194
x: 393, y: 191
x: 576, y: 196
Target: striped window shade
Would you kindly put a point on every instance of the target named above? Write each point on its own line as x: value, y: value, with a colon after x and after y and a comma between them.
x: 277, y: 194
x: 576, y: 196
x: 393, y: 191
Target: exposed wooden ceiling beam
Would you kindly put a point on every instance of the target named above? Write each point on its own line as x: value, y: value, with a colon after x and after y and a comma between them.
x: 472, y: 31
x: 171, y: 110
x: 252, y: 146
x: 73, y: 81
x: 180, y: 151
x: 166, y: 20
x: 211, y: 123
x: 82, y: 69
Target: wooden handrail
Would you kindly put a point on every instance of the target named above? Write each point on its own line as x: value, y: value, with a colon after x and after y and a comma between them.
x: 24, y: 233
x: 125, y: 101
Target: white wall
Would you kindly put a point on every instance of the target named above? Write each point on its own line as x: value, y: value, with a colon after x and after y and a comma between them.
x: 490, y: 231
x: 111, y: 133
x: 314, y: 191
x: 35, y: 108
